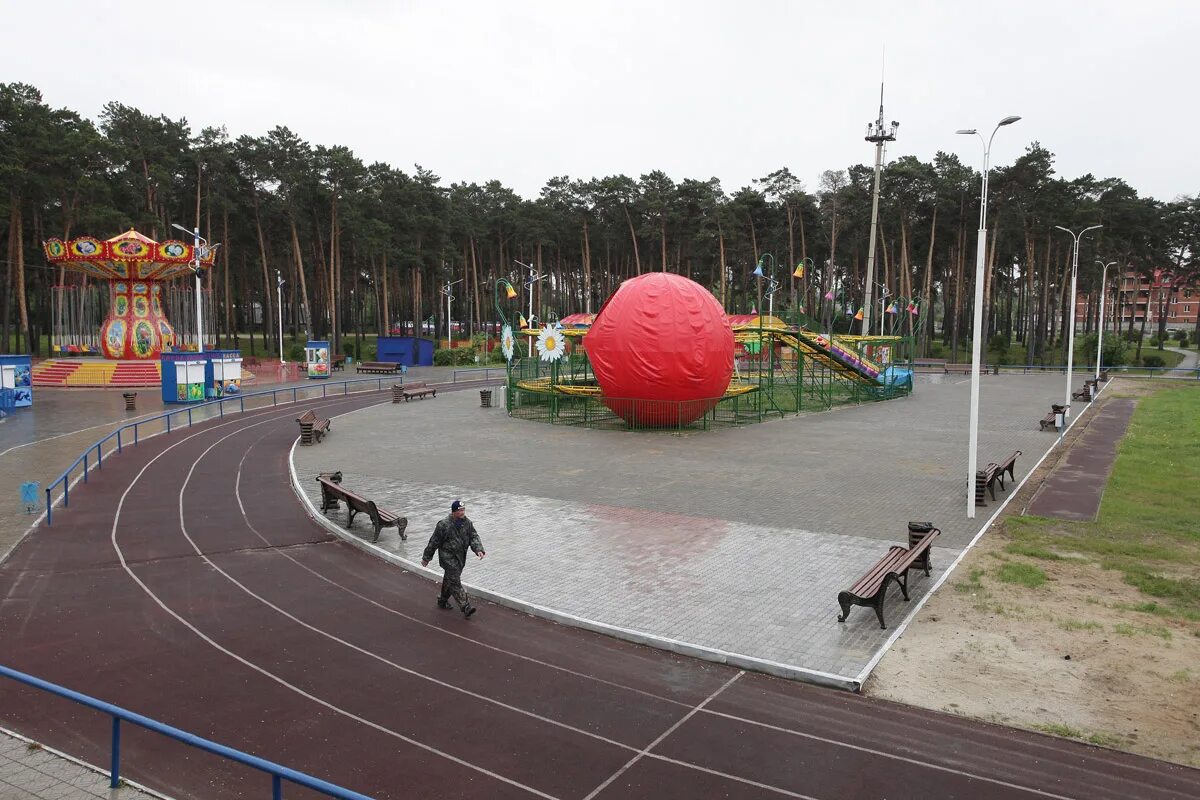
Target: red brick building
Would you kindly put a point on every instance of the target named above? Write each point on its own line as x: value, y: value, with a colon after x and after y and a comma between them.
x: 1134, y: 297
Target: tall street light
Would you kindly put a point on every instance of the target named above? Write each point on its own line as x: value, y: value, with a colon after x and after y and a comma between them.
x: 449, y: 297
x: 1074, y: 309
x: 879, y: 135
x: 1100, y: 328
x: 199, y: 246
x: 973, y: 440
x: 279, y: 305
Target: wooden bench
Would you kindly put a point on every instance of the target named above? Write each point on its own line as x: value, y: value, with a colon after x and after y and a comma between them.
x: 1008, y: 465
x: 337, y: 363
x: 965, y: 369
x: 985, y: 481
x: 312, y: 427
x: 332, y: 491
x: 419, y: 389
x: 871, y: 588
x: 1049, y: 421
x: 929, y: 365
x: 379, y: 367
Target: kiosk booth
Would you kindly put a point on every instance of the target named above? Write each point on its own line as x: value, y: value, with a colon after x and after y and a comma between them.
x: 183, y: 377
x: 16, y: 385
x: 316, y: 353
x: 224, y: 373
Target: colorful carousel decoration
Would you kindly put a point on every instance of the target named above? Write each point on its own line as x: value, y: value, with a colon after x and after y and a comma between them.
x: 136, y: 268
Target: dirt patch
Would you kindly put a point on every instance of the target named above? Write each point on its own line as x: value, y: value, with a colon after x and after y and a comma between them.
x: 1083, y: 654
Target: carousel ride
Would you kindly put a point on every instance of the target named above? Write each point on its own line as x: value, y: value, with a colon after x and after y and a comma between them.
x: 111, y: 327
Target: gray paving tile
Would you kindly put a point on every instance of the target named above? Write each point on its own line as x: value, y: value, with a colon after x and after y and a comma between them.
x: 736, y: 539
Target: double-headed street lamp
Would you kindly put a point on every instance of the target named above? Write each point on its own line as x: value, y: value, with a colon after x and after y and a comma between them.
x: 530, y: 281
x: 199, y: 248
x: 449, y: 297
x: 1100, y: 329
x: 973, y: 435
x: 1074, y: 309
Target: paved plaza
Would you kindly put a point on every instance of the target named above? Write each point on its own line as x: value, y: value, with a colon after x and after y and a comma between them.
x: 735, y: 541
x: 29, y: 772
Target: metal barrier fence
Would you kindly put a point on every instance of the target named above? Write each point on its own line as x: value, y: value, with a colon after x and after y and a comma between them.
x: 278, y: 772
x: 217, y: 407
x: 1089, y: 370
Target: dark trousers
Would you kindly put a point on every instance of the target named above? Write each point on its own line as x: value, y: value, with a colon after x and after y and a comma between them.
x: 452, y: 587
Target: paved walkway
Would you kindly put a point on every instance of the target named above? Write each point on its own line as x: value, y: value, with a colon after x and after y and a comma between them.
x: 736, y: 540
x: 1076, y: 486
x: 30, y: 772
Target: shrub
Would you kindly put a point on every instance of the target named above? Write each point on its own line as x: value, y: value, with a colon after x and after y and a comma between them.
x: 1153, y: 361
x: 443, y: 357
x: 1183, y: 339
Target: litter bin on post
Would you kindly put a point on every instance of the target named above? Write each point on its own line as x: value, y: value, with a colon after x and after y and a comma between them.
x: 397, y: 393
x: 485, y: 398
x: 130, y: 401
x: 1060, y: 414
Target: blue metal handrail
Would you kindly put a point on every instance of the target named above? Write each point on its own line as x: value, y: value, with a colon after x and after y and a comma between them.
x: 98, y: 447
x: 278, y: 772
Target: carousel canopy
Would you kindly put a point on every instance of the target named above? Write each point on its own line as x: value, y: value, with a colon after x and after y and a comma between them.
x: 129, y: 256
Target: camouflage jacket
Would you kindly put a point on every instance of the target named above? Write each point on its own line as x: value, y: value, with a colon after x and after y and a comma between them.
x: 450, y: 539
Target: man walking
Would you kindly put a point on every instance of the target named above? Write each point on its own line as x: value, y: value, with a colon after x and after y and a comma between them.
x: 451, y: 538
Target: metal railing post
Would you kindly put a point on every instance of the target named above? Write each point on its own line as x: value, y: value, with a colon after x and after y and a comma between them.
x: 85, y: 466
x: 119, y: 439
x: 276, y: 787
x: 115, y: 763
x: 49, y: 508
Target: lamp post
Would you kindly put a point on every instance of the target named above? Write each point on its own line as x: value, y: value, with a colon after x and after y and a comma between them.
x: 198, y: 242
x: 879, y: 135
x: 1100, y: 327
x: 279, y: 305
x: 1074, y: 308
x: 803, y: 270
x: 772, y: 285
x: 981, y: 248
x: 449, y: 297
x: 530, y: 280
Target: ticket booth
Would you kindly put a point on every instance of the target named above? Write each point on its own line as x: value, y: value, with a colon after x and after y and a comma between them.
x: 226, y: 373
x: 316, y: 353
x: 183, y: 378
x: 16, y: 382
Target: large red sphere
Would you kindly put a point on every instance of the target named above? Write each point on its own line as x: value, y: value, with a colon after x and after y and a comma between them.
x: 662, y: 350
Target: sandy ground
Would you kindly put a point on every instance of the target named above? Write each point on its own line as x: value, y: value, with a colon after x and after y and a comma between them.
x: 1068, y: 658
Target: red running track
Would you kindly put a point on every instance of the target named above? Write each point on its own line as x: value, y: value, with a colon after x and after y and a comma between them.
x: 187, y: 583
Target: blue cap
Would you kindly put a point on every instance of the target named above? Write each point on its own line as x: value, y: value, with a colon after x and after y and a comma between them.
x: 456, y: 505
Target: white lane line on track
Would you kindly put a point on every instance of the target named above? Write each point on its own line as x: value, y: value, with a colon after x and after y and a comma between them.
x: 895, y: 757
x: 264, y: 672
x: 423, y: 623
x: 646, y: 750
x: 351, y: 645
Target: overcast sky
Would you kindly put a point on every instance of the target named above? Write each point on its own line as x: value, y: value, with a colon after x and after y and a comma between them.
x: 523, y: 91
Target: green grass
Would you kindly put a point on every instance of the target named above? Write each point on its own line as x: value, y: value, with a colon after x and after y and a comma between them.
x: 1032, y: 551
x: 1066, y: 731
x: 1024, y: 574
x: 1075, y: 625
x: 971, y: 584
x: 1146, y: 531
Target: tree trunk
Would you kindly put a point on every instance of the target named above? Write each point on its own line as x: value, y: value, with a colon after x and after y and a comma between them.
x: 305, y: 308
x: 268, y: 295
x: 633, y: 237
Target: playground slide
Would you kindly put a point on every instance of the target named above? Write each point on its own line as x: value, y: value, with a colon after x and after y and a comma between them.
x: 849, y: 361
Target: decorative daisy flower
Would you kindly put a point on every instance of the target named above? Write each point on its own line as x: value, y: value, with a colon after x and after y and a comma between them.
x: 550, y: 343
x: 506, y: 342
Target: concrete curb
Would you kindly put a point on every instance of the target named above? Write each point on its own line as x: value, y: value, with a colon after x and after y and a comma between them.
x: 738, y: 660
